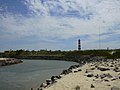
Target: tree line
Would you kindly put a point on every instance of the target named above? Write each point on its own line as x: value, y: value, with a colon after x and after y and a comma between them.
x: 113, y: 53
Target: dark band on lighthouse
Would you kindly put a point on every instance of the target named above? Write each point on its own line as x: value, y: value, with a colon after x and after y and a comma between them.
x: 79, y: 45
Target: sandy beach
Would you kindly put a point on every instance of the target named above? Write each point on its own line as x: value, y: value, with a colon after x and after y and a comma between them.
x: 91, y: 76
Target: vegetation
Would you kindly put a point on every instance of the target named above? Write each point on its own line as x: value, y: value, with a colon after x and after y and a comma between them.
x: 58, y: 54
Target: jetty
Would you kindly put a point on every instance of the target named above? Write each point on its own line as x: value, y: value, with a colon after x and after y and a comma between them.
x: 9, y: 61
x: 97, y: 73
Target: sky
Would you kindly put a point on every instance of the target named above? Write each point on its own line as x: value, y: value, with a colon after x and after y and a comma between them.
x: 58, y: 24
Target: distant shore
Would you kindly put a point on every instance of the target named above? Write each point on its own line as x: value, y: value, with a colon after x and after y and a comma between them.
x: 100, y: 74
x: 9, y: 61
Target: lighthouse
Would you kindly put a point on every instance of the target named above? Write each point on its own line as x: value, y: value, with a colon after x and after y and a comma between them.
x: 79, y: 45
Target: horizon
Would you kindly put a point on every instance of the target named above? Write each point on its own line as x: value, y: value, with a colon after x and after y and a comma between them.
x: 61, y: 50
x: 58, y: 24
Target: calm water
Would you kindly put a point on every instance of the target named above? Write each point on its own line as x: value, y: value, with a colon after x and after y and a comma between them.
x: 30, y: 73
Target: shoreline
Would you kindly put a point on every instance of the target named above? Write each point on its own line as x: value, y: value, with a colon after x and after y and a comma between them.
x: 9, y: 61
x: 95, y: 75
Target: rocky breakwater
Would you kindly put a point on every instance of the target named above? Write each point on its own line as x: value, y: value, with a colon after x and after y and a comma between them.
x: 100, y: 75
x: 54, y: 79
x: 9, y: 61
x: 92, y: 72
x: 82, y: 60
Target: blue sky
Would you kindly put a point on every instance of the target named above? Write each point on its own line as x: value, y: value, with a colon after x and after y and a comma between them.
x: 58, y: 24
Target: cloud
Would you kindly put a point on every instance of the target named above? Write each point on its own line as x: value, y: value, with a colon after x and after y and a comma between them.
x: 61, y: 8
x: 53, y: 21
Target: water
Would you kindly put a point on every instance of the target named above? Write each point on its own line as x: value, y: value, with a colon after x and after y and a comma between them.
x: 30, y: 73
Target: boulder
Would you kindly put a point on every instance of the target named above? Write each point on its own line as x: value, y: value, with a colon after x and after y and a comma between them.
x: 79, y: 70
x: 116, y: 69
x: 66, y: 71
x: 109, y: 76
x: 39, y: 89
x: 113, y: 79
x: 43, y: 85
x: 88, y: 71
x: 53, y: 78
x: 92, y: 86
x: 106, y: 75
x: 111, y: 65
x: 106, y: 80
x: 92, y: 68
x: 102, y: 76
x: 31, y: 89
x: 115, y: 88
x: 48, y: 81
x: 90, y: 75
x: 97, y: 76
x: 103, y: 68
x: 75, y: 71
x: 72, y: 67
x: 58, y: 77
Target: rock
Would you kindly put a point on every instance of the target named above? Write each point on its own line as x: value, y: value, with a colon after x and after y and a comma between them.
x: 107, y: 64
x: 40, y: 89
x: 9, y: 61
x: 111, y: 65
x: 58, y: 77
x: 106, y: 80
x: 108, y: 75
x: 66, y: 71
x: 102, y: 76
x: 116, y: 69
x: 90, y: 75
x: 97, y: 76
x: 79, y: 70
x: 74, y: 66
x: 53, y: 78
x: 43, y: 85
x: 108, y: 85
x: 92, y: 68
x: 77, y: 66
x: 115, y: 88
x: 96, y: 66
x: 113, y: 79
x: 102, y: 68
x: 92, y: 86
x: 75, y: 71
x: 31, y: 89
x: 87, y: 71
x: 77, y: 87
x: 48, y: 81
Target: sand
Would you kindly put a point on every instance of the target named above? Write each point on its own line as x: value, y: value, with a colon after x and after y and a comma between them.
x: 91, y: 77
